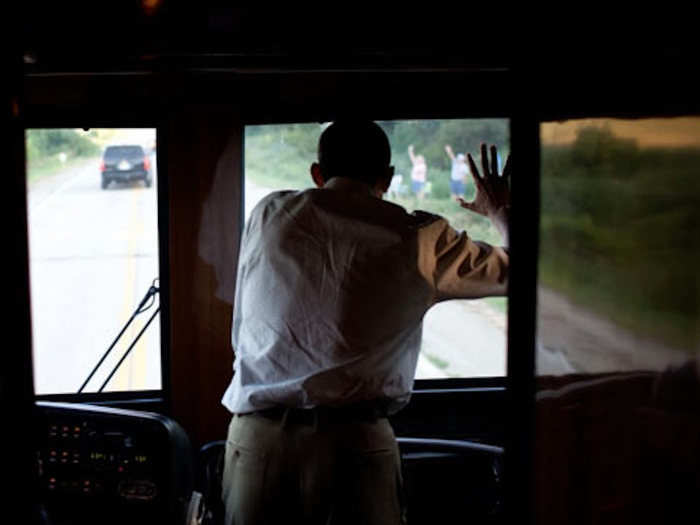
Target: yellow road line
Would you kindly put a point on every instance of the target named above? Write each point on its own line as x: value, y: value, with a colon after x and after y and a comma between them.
x: 132, y: 374
x: 138, y: 354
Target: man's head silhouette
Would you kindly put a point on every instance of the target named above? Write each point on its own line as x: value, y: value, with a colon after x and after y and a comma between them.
x: 357, y: 149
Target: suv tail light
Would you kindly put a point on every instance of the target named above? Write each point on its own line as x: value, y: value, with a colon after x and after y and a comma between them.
x: 146, y: 164
x: 102, y: 165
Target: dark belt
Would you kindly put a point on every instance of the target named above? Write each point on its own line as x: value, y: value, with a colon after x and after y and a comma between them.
x: 359, y: 413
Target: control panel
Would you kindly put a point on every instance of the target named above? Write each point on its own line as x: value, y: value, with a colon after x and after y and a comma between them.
x: 104, y: 465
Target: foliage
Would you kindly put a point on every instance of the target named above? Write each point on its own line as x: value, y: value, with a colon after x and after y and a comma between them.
x: 600, y: 149
x: 43, y: 143
x: 279, y: 156
x: 429, y: 138
x: 619, y: 232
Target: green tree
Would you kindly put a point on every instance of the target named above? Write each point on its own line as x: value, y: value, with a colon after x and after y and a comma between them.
x: 47, y: 142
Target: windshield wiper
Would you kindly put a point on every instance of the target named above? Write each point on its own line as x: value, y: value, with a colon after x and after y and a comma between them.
x: 142, y: 307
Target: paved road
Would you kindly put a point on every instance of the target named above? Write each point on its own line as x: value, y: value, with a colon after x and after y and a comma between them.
x: 465, y: 339
x: 93, y: 255
x: 576, y: 339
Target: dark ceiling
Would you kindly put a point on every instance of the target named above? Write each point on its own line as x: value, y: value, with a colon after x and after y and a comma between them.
x: 134, y: 37
x: 98, y: 36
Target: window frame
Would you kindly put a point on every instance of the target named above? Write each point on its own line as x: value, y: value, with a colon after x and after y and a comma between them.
x: 449, y: 385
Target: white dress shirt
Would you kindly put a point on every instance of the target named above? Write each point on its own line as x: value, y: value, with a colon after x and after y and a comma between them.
x: 331, y: 291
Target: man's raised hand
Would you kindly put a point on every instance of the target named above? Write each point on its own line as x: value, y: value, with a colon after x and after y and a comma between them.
x: 492, y: 188
x: 492, y: 191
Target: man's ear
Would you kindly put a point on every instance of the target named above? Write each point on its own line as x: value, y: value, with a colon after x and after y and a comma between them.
x: 384, y: 183
x: 316, y: 175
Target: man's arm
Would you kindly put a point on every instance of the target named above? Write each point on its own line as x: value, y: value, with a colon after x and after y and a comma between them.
x: 410, y: 154
x: 458, y: 266
x: 450, y: 153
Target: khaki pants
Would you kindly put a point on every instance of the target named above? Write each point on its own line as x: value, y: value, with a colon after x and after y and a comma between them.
x: 323, y: 472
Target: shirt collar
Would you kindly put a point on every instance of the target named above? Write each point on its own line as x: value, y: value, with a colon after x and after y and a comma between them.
x: 349, y: 185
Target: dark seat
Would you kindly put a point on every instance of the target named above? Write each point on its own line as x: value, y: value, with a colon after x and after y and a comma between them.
x: 210, y: 471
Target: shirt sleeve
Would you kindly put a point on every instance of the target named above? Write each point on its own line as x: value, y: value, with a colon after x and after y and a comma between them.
x: 458, y: 267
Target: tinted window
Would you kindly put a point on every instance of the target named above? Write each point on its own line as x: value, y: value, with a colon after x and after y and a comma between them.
x: 123, y: 152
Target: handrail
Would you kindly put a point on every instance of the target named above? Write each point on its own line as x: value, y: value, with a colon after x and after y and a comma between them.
x: 442, y: 445
x: 449, y: 445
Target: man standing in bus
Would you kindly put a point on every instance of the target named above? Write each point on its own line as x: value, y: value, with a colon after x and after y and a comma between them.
x: 332, y: 286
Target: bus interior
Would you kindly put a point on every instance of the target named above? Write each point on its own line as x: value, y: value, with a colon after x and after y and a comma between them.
x: 573, y: 400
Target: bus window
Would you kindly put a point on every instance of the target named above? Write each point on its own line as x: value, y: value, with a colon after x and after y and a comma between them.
x: 617, y: 361
x: 461, y: 338
x: 618, y: 248
x: 93, y: 237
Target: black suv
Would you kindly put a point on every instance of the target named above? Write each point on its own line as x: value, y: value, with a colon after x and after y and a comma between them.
x: 124, y: 164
